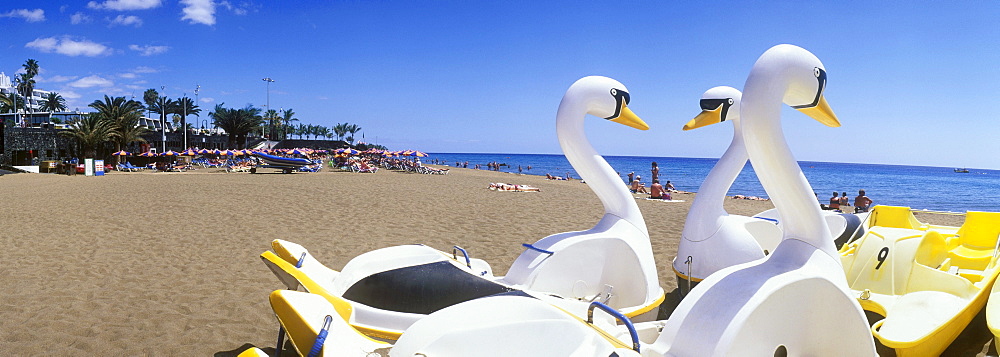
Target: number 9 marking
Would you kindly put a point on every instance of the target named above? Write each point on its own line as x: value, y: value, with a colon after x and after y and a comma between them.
x: 882, y: 254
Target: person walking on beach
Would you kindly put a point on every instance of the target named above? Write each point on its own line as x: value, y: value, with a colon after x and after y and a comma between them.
x: 656, y: 172
x: 862, y: 203
x: 631, y: 177
x: 835, y: 202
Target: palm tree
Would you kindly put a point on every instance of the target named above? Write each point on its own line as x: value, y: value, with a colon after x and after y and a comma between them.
x: 27, y: 85
x: 124, y: 118
x: 287, y: 117
x: 270, y: 116
x: 353, y: 129
x: 31, y: 67
x: 149, y: 97
x: 163, y: 106
x: 53, y: 102
x: 301, y: 130
x: 91, y: 132
x: 340, y: 130
x: 322, y: 131
x: 11, y: 102
x: 184, y: 107
x: 237, y: 122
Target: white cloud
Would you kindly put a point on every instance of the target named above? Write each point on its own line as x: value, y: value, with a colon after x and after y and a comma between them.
x: 70, y: 47
x: 127, y: 75
x: 91, y: 81
x: 123, y: 5
x: 69, y: 94
x: 149, y: 50
x: 79, y: 18
x: 207, y: 100
x: 56, y: 79
x: 144, y: 69
x: 125, y: 20
x: 36, y: 15
x: 236, y: 10
x: 199, y: 11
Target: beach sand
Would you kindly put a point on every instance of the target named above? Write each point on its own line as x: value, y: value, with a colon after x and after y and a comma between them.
x: 168, y: 263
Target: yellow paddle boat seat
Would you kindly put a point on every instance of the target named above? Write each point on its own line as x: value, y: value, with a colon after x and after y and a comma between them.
x: 894, y: 217
x: 977, y: 239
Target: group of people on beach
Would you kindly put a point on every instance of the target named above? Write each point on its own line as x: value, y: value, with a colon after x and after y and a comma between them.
x: 655, y: 190
x: 861, y: 202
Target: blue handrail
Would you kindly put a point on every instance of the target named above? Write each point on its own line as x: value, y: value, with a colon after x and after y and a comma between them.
x: 302, y: 259
x: 534, y: 248
x: 321, y: 337
x: 468, y: 262
x: 621, y: 317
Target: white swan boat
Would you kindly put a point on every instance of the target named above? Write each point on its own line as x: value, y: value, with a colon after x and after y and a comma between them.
x: 793, y: 302
x: 612, y: 262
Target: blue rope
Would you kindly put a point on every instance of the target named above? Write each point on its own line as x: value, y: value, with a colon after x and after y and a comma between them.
x: 321, y: 337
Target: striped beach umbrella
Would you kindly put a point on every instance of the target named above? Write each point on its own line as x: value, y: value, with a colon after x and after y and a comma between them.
x: 147, y: 154
x: 170, y: 153
x: 189, y: 152
x: 121, y: 153
x: 204, y: 151
x: 349, y: 151
x: 418, y: 153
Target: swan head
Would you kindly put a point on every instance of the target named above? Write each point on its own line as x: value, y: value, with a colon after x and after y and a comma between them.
x: 605, y: 98
x: 806, y: 83
x: 718, y: 104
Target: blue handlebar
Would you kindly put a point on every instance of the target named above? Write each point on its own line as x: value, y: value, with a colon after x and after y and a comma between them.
x: 534, y: 248
x: 301, y: 260
x: 621, y: 317
x: 320, y: 337
x: 468, y: 262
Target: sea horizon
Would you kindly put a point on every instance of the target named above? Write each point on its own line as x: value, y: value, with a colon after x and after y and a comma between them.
x: 935, y: 188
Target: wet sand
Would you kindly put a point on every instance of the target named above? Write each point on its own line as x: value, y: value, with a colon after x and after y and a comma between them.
x: 168, y: 263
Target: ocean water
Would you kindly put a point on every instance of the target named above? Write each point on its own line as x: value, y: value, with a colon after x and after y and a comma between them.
x: 919, y: 187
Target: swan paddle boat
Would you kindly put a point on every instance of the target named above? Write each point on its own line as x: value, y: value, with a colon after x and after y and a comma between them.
x: 515, y: 323
x: 611, y: 263
x: 927, y: 281
x: 793, y: 302
x: 712, y: 238
x: 796, y: 300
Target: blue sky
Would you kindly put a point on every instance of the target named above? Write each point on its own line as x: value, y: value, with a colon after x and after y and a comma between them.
x: 912, y: 82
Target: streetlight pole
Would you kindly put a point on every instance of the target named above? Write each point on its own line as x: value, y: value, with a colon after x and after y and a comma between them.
x: 163, y: 120
x: 197, y: 88
x: 184, y: 121
x: 267, y: 81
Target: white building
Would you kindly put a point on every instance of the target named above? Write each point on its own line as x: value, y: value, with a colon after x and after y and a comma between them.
x: 37, y: 95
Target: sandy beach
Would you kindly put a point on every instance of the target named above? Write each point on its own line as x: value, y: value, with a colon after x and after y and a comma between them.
x: 168, y: 263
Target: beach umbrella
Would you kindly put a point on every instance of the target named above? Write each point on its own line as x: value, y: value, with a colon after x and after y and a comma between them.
x: 121, y: 153
x: 418, y: 153
x: 170, y: 153
x: 349, y: 151
x: 189, y: 152
x: 297, y: 152
x: 147, y: 154
x: 204, y: 151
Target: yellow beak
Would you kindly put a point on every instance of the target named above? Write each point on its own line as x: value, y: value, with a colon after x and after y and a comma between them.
x: 706, y: 118
x: 822, y: 113
x: 629, y: 118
